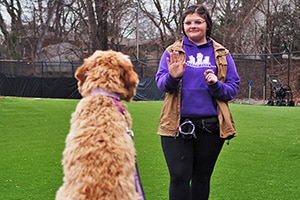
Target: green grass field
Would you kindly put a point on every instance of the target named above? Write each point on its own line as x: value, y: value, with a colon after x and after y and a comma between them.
x: 262, y: 163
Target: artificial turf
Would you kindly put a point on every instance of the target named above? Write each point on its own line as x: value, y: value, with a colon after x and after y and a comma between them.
x: 262, y: 163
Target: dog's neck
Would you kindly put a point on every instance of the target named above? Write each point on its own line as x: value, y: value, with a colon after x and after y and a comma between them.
x: 100, y: 91
x: 116, y: 98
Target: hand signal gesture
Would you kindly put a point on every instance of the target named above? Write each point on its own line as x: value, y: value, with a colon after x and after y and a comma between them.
x: 175, y: 65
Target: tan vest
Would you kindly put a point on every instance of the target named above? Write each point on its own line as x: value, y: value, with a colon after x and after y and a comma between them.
x: 170, y: 113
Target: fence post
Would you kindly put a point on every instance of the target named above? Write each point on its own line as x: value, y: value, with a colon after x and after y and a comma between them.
x: 250, y: 85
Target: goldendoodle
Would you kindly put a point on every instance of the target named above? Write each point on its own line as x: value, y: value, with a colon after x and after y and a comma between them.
x: 99, y: 156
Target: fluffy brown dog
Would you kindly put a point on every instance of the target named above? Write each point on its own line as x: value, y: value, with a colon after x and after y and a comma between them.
x: 99, y: 157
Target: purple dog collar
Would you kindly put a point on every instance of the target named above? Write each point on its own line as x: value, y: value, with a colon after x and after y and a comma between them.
x: 100, y: 91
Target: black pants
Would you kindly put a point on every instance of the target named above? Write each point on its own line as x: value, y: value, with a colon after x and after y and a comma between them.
x: 191, y: 163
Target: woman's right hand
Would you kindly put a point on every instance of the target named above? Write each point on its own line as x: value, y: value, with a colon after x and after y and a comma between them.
x: 175, y: 65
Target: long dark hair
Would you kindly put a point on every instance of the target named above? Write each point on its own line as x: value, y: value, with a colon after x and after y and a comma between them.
x: 203, y: 12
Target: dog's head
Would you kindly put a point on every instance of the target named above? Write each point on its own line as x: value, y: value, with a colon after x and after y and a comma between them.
x: 109, y: 70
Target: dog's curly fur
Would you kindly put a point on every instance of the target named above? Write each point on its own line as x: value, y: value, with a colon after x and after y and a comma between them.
x: 99, y: 157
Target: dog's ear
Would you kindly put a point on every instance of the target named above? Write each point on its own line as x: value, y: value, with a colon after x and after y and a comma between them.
x: 131, y: 80
x: 80, y: 73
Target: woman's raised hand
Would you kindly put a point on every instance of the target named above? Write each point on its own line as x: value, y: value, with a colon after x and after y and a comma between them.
x: 175, y: 65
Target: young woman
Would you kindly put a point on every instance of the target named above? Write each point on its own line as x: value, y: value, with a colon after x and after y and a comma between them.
x: 195, y: 118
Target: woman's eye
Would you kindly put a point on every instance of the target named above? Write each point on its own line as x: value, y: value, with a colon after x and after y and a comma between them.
x: 199, y: 22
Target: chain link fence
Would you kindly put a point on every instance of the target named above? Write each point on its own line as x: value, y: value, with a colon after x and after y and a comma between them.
x: 14, y: 68
x: 262, y: 76
x: 254, y: 70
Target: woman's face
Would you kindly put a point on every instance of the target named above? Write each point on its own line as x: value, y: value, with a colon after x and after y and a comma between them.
x: 195, y: 28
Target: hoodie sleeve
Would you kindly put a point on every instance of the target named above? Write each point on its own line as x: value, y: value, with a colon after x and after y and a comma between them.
x: 164, y: 81
x: 227, y: 90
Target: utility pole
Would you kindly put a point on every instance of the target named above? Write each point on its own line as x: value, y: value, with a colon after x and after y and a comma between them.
x: 137, y: 30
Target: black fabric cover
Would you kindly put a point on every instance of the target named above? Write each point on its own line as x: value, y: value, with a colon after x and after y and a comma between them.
x: 65, y: 88
x: 148, y: 91
x: 38, y: 87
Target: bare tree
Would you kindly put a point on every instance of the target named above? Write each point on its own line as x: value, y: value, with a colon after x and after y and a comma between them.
x: 102, y: 20
x: 45, y: 19
x: 285, y: 28
x: 244, y: 26
x: 166, y: 17
x: 13, y: 35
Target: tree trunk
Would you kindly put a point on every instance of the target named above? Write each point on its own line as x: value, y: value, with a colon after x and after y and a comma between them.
x: 102, y: 15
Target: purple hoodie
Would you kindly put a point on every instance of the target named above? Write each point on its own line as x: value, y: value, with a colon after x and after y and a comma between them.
x: 198, y: 99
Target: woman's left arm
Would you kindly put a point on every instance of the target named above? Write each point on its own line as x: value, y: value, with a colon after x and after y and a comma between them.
x: 227, y: 90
